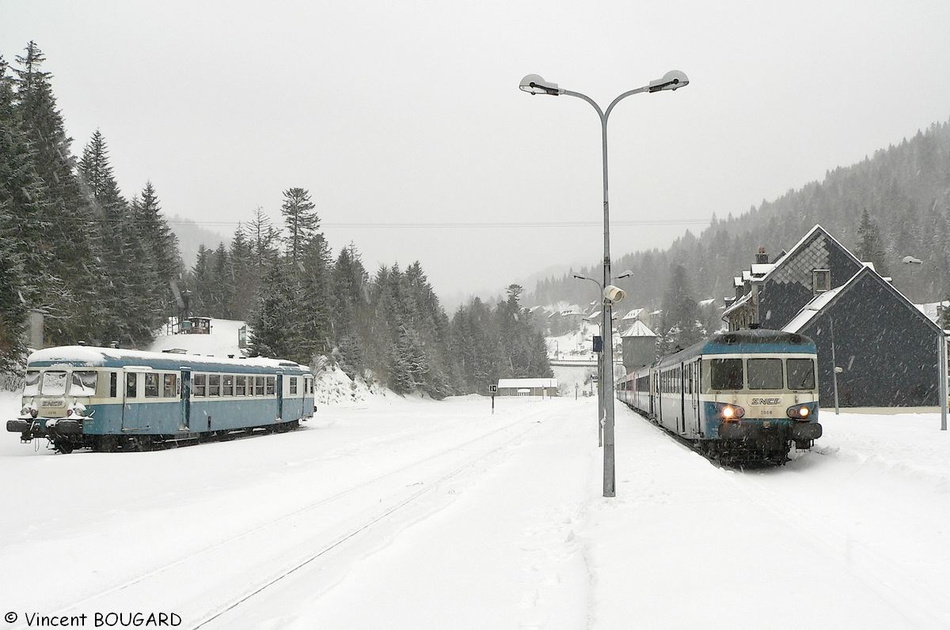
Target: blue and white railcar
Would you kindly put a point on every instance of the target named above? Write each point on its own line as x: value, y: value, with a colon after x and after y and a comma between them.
x: 742, y: 395
x: 108, y: 399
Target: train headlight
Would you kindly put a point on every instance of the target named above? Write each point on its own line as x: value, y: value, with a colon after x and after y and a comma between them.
x: 731, y: 412
x: 77, y: 409
x: 798, y: 412
x: 29, y: 410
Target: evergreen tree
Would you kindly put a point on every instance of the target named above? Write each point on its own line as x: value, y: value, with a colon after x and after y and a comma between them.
x: 680, y: 327
x: 300, y: 219
x: 350, y: 310
x: 273, y: 326
x: 161, y: 246
x: 69, y: 292
x: 870, y: 248
x: 243, y: 276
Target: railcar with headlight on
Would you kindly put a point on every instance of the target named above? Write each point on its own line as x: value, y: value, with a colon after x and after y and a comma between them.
x: 110, y: 399
x: 740, y: 396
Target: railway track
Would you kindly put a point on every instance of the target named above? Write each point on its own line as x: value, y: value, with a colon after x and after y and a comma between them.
x: 238, y: 569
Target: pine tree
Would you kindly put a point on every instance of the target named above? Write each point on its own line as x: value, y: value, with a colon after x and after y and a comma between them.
x: 870, y: 248
x: 300, y: 219
x: 680, y: 327
x: 161, y: 247
x: 68, y: 293
x: 273, y: 327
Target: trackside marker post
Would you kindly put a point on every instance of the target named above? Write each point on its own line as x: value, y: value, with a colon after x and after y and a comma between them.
x: 494, y: 390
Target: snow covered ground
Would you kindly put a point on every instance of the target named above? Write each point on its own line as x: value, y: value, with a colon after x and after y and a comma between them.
x: 386, y: 512
x: 395, y: 513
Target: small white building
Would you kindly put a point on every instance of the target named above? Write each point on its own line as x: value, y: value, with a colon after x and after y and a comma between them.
x: 527, y: 387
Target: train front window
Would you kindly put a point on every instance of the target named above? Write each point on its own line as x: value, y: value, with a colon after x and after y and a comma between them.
x: 31, y: 385
x: 83, y: 384
x: 726, y: 373
x: 54, y: 383
x: 801, y: 374
x: 765, y: 374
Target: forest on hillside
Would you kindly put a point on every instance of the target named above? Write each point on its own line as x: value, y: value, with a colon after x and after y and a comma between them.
x: 105, y: 269
x: 902, y: 193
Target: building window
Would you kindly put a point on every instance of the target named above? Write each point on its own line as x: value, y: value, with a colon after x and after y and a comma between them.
x: 820, y: 280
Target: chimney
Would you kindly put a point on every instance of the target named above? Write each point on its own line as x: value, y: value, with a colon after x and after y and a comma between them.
x: 762, y: 258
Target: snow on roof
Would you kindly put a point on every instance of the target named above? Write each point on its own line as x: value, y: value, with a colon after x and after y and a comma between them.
x: 514, y: 383
x: 738, y: 304
x: 707, y: 302
x: 633, y: 314
x: 737, y: 281
x: 932, y: 310
x: 593, y: 315
x: 762, y: 270
x: 639, y: 329
x: 814, y: 307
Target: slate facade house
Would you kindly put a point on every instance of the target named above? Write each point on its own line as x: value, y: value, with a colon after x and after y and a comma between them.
x: 886, y: 348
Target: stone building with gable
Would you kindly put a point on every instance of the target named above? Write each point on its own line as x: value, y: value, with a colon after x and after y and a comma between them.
x: 886, y: 349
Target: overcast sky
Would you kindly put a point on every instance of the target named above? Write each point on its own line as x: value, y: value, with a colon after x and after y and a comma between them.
x: 405, y: 122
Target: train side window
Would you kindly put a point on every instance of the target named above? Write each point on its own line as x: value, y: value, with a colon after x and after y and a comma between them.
x: 726, y: 373
x: 239, y: 386
x: 227, y: 385
x: 131, y: 385
x: 199, y: 384
x: 113, y: 384
x: 293, y: 386
x: 271, y: 385
x: 170, y: 386
x: 151, y: 385
x: 214, y: 384
x: 801, y: 373
x: 258, y: 385
x: 307, y: 385
x: 766, y: 374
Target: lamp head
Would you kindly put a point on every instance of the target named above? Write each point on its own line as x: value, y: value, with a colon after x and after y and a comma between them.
x: 535, y: 84
x: 672, y: 80
x: 614, y: 294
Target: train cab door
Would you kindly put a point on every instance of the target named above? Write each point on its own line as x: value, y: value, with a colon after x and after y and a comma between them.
x: 280, y: 396
x: 682, y: 381
x: 186, y: 400
x: 130, y: 394
x: 694, y: 397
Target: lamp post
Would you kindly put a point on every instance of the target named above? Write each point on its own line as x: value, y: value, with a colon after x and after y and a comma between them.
x: 534, y: 84
x: 941, y: 356
x: 601, y: 411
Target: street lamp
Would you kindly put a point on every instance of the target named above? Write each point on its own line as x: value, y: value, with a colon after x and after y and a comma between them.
x: 601, y: 415
x: 534, y: 84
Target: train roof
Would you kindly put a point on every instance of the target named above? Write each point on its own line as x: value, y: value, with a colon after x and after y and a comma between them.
x: 89, y: 356
x: 744, y: 341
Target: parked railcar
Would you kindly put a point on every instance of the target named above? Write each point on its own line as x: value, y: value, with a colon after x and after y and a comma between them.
x: 108, y: 399
x: 738, y: 396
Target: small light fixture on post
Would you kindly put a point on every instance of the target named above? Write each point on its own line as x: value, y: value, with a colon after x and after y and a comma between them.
x: 535, y: 84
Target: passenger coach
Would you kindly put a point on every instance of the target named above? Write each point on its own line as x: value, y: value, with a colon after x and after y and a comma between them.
x: 745, y: 395
x: 108, y: 399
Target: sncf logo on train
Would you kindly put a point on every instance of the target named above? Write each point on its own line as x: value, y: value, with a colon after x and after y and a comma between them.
x: 766, y: 401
